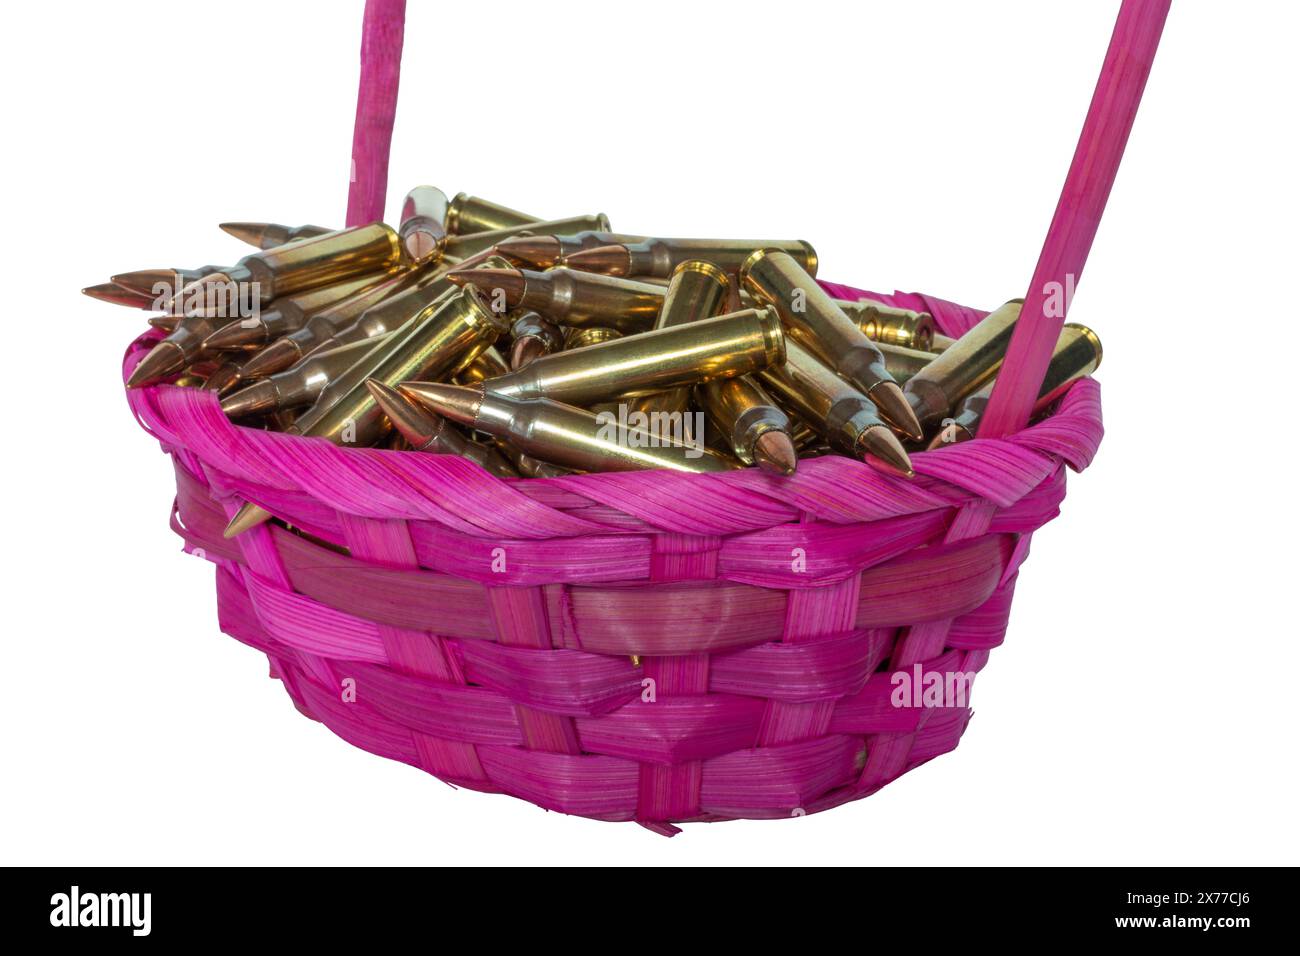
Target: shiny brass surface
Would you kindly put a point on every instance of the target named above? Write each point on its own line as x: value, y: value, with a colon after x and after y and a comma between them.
x: 890, y: 325
x: 902, y: 363
x: 744, y: 413
x: 696, y: 290
x: 1077, y: 353
x: 299, y: 386
x: 268, y: 235
x: 963, y: 368
x: 289, y: 313
x: 832, y: 407
x: 572, y: 298
x: 391, y: 311
x: 422, y: 230
x: 426, y: 432
x: 567, y: 436
x: 594, y: 335
x: 718, y: 347
x: 307, y: 263
x: 470, y: 214
x: 545, y: 251
x: 658, y: 257
x: 486, y: 364
x: 463, y: 246
x: 318, y: 330
x: 443, y: 335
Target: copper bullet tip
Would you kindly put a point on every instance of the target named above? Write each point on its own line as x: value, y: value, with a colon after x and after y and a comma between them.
x: 460, y: 403
x: 250, y: 400
x: 511, y: 282
x: 118, y: 295
x: 168, y: 323
x: 895, y: 409
x: 607, y: 260
x: 276, y: 357
x: 774, y: 453
x: 163, y: 359
x: 249, y: 232
x: 144, y: 280
x: 886, y: 452
x: 412, y: 423
x: 524, y: 351
x: 236, y: 335
x: 536, y: 252
x: 249, y: 516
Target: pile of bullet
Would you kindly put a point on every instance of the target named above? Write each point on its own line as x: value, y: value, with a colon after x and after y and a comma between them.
x: 540, y: 348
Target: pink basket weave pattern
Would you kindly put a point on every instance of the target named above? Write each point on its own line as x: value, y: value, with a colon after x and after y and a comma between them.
x: 648, y: 646
x: 487, y: 627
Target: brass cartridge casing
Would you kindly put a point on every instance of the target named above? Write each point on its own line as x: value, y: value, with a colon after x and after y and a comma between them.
x: 422, y: 230
x: 580, y: 338
x: 718, y: 347
x: 903, y: 363
x: 887, y: 324
x: 696, y: 290
x: 658, y: 257
x: 964, y: 367
x: 836, y: 410
x: 469, y: 214
x: 268, y: 235
x: 821, y: 327
x: 319, y: 329
x: 299, y: 386
x: 486, y: 364
x: 744, y: 413
x: 1077, y: 353
x: 465, y: 245
x: 307, y: 263
x: 390, y: 312
x: 545, y: 251
x: 561, y: 434
x: 289, y: 313
x: 426, y: 432
x: 443, y: 335
x: 573, y: 298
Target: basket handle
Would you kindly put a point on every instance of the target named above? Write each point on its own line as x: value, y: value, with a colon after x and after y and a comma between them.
x: 1083, y: 198
x: 372, y: 134
x: 1078, y: 212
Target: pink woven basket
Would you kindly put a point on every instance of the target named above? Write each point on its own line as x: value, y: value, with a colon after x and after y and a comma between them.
x: 650, y: 646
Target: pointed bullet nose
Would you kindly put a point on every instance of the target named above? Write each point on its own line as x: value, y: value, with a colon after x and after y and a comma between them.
x: 276, y: 357
x: 168, y: 323
x: 885, y: 452
x: 236, y: 335
x: 223, y: 379
x: 118, y: 295
x: 607, y: 260
x: 510, y: 282
x: 144, y: 281
x: 249, y: 516
x: 411, y: 422
x: 163, y: 359
x: 457, y: 402
x: 252, y: 399
x: 774, y: 453
x: 537, y: 252
x: 249, y: 232
x: 895, y: 409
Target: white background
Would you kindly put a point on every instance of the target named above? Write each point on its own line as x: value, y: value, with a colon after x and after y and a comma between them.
x: 1143, y: 708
